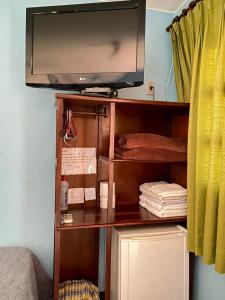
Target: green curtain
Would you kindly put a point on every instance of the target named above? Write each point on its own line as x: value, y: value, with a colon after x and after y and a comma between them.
x: 186, y: 38
x: 200, y: 75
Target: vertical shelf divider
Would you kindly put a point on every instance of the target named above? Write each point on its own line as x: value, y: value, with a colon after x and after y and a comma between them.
x: 111, y: 157
x: 110, y: 200
x: 59, y: 126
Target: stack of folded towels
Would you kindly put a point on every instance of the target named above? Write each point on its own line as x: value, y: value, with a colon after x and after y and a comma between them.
x: 151, y: 147
x: 164, y: 199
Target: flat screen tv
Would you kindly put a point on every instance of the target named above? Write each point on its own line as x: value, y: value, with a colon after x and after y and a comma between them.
x: 86, y: 45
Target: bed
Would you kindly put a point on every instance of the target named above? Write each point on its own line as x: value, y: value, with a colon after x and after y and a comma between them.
x: 22, y: 277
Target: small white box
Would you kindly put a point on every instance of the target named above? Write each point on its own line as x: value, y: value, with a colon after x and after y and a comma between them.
x: 104, y: 185
x: 104, y: 202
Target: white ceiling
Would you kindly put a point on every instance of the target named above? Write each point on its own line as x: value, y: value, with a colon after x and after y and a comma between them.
x: 165, y: 5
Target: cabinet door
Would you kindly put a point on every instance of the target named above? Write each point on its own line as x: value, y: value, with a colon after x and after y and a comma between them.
x: 154, y: 268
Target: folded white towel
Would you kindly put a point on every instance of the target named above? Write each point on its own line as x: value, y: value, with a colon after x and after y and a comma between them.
x: 149, y: 185
x: 164, y: 190
x: 163, y: 214
x: 165, y: 207
x: 168, y: 208
x: 162, y: 200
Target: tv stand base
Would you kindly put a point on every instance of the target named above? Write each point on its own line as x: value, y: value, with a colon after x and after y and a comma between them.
x: 100, y: 91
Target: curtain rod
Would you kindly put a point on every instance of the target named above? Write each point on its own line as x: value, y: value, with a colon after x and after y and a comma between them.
x: 184, y: 13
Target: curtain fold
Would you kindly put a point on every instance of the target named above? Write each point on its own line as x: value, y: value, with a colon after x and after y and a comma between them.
x: 202, y: 80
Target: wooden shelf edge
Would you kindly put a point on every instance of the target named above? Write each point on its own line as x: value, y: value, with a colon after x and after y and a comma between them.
x: 118, y: 223
x: 105, y: 100
x: 107, y: 159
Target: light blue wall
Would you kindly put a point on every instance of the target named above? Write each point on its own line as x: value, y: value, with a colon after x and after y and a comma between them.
x: 27, y: 129
x: 27, y: 144
x: 208, y: 285
x: 158, y: 59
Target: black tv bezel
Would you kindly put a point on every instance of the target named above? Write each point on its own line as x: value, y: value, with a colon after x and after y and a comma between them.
x: 73, y: 80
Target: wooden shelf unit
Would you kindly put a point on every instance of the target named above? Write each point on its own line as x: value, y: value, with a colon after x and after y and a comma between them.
x: 98, y: 120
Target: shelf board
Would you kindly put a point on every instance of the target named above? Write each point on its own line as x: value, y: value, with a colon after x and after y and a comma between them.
x: 84, y: 100
x: 92, y: 217
x: 105, y: 158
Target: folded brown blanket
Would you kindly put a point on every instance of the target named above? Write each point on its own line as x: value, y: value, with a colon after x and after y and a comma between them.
x: 150, y: 140
x: 157, y: 155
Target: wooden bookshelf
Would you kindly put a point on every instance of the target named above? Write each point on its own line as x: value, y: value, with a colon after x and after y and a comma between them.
x: 98, y: 120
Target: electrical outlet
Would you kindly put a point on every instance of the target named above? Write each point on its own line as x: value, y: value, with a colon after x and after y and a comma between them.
x: 150, y: 88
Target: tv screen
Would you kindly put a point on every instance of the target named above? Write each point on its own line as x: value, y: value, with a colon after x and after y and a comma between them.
x: 86, y: 45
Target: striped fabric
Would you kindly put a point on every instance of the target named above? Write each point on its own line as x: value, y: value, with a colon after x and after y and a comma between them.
x: 78, y: 290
